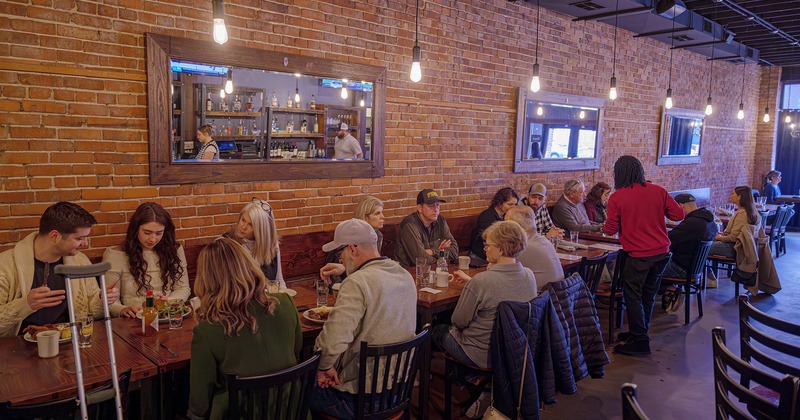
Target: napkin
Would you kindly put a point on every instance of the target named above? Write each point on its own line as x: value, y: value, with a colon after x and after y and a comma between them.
x: 574, y: 245
x: 429, y: 290
x: 568, y: 257
x: 566, y: 246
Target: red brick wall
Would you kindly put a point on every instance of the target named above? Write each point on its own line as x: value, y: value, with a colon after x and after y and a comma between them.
x: 73, y: 121
x: 765, y: 136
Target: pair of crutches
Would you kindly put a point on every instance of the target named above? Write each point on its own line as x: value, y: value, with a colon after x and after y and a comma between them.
x: 97, y: 271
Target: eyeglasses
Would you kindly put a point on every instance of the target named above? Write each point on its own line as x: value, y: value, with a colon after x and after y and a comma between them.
x: 488, y: 244
x: 263, y: 204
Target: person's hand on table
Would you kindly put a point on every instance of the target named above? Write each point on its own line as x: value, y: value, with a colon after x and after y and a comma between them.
x: 129, y: 311
x: 331, y: 269
x: 326, y: 378
x: 445, y: 244
x: 429, y: 252
x: 462, y: 275
x: 43, y: 297
x: 555, y: 232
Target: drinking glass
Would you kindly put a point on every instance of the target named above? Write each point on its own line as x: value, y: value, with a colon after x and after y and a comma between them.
x: 85, y: 330
x: 322, y: 293
x: 273, y: 286
x: 422, y: 271
x: 175, y: 313
x: 573, y: 237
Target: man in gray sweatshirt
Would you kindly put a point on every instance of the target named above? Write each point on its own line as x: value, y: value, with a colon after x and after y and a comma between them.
x: 377, y: 303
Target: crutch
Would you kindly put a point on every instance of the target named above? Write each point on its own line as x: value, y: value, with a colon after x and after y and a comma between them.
x: 97, y: 271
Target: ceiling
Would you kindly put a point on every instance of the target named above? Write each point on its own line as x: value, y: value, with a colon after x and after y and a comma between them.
x: 731, y: 30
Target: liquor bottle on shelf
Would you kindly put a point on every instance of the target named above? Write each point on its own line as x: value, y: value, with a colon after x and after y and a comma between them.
x: 209, y: 103
x: 294, y: 149
x: 229, y: 128
x: 313, y: 103
x: 312, y: 149
x: 255, y: 131
x: 237, y: 104
x: 289, y: 100
x: 290, y: 126
x: 240, y: 128
x: 224, y: 106
x: 249, y: 105
x: 274, y: 99
x: 275, y: 127
x: 304, y: 126
x: 316, y: 126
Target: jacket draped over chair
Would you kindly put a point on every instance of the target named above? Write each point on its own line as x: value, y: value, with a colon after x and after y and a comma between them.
x: 753, y: 254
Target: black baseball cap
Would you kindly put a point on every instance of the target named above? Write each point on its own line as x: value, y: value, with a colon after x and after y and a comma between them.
x: 684, y: 198
x: 429, y: 196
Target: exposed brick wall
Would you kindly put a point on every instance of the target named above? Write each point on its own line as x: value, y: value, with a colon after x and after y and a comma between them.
x: 769, y: 94
x: 73, y: 120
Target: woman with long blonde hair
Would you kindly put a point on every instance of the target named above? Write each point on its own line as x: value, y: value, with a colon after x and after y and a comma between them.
x: 242, y: 329
x: 257, y: 232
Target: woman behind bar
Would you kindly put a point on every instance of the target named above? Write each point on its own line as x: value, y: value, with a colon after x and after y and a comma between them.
x: 742, y: 196
x: 596, y: 201
x: 256, y: 231
x: 209, y: 149
x: 150, y: 258
x: 242, y: 329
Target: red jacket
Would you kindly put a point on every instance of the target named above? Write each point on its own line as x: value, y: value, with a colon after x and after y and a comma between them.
x: 637, y: 213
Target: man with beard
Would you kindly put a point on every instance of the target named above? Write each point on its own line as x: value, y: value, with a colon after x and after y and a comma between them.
x: 377, y: 303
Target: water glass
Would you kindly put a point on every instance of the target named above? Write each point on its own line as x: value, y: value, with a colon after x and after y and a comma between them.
x: 273, y: 286
x: 175, y: 313
x: 85, y: 330
x: 322, y: 293
x: 422, y: 271
x: 573, y: 237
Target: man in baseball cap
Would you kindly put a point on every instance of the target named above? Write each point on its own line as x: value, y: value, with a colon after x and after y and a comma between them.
x: 377, y: 303
x: 425, y: 232
x: 346, y: 146
x: 536, y: 199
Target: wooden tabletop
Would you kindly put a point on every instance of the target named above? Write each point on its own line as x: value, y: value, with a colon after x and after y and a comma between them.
x: 27, y: 378
x: 788, y: 198
x: 599, y: 237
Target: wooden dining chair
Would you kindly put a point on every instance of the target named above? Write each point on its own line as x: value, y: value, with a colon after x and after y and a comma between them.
x: 728, y: 390
x: 773, y: 231
x: 591, y: 270
x: 616, y: 303
x: 631, y: 410
x: 694, y: 282
x: 100, y: 405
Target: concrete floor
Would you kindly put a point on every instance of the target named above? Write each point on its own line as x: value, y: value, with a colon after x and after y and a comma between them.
x: 676, y: 381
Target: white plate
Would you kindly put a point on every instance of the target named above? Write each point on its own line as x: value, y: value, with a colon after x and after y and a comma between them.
x: 163, y: 320
x: 289, y: 292
x: 28, y: 337
x: 318, y: 321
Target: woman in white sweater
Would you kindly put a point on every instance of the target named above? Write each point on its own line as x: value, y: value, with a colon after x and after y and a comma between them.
x: 150, y: 258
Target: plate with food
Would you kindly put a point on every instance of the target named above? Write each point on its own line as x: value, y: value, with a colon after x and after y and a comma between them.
x: 163, y: 315
x: 318, y: 315
x: 32, y: 330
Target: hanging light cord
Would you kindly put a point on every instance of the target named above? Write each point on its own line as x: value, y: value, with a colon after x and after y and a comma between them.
x: 614, y: 62
x: 538, y: 27
x: 416, y: 24
x: 672, y: 47
x: 711, y: 71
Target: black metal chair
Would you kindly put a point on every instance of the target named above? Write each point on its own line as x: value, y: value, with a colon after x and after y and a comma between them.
x: 99, y: 403
x: 769, y: 345
x: 453, y: 371
x: 279, y: 395
x: 774, y: 231
x: 392, y: 369
x: 782, y: 234
x: 616, y: 303
x: 591, y: 270
x: 694, y: 282
x: 728, y: 389
x: 631, y: 410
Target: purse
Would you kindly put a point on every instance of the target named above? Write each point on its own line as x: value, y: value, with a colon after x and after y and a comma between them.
x: 744, y: 277
x: 493, y: 414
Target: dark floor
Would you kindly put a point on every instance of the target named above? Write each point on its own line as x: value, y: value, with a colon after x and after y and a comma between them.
x: 675, y: 382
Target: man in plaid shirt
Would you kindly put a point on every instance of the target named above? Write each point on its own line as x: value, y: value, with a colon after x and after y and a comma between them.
x: 537, y: 196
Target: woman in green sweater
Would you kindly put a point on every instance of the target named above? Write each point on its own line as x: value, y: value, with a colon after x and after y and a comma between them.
x: 241, y: 329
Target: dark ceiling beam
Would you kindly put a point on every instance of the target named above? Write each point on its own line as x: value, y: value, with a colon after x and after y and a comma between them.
x: 619, y: 13
x: 662, y: 32
x: 699, y: 44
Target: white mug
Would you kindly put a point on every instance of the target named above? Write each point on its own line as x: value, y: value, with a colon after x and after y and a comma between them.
x: 47, y: 341
x: 443, y: 278
x: 463, y: 262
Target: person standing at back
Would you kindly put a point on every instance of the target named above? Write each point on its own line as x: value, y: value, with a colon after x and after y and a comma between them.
x: 346, y: 146
x: 636, y: 211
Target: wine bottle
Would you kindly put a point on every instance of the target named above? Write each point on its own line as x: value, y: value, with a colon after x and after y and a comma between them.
x: 313, y: 103
x: 209, y: 103
x: 149, y: 316
x: 237, y: 104
x: 289, y: 100
x: 249, y: 105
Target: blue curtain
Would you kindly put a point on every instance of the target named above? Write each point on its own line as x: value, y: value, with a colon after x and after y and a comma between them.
x: 787, y: 154
x: 680, y: 136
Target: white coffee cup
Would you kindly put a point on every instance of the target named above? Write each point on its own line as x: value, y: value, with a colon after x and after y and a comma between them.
x: 463, y: 262
x: 443, y: 278
x: 47, y: 341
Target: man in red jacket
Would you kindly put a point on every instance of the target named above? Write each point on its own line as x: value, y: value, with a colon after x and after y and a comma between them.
x: 636, y: 210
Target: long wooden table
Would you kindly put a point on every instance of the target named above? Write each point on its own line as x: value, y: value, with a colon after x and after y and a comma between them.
x: 26, y: 378
x: 788, y: 198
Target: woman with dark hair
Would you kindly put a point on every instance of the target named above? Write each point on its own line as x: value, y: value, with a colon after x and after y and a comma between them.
x: 771, y: 188
x: 636, y: 211
x: 149, y: 259
x: 503, y: 199
x: 241, y: 328
x: 747, y: 214
x: 596, y: 201
x: 209, y: 149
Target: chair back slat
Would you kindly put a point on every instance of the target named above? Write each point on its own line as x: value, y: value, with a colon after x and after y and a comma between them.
x: 699, y: 257
x: 591, y: 270
x: 631, y: 410
x: 399, y: 363
x: 279, y: 395
x: 725, y: 384
x: 749, y: 335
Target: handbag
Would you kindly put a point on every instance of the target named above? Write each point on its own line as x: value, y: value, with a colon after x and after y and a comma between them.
x: 493, y: 414
x: 744, y: 277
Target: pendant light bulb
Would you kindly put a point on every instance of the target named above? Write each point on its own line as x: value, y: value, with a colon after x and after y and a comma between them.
x: 788, y: 119
x: 535, y: 82
x: 766, y: 114
x: 540, y: 110
x: 709, y: 109
x: 668, y: 103
x: 582, y: 114
x: 296, y: 96
x: 362, y: 103
x: 416, y: 69
x: 740, y: 114
x: 791, y: 126
x: 222, y: 93
x: 344, y: 92
x: 220, y: 31
x: 229, y: 82
x: 612, y: 93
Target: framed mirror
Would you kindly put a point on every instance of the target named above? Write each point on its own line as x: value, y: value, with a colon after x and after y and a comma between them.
x: 557, y: 132
x: 260, y: 131
x: 680, y: 136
